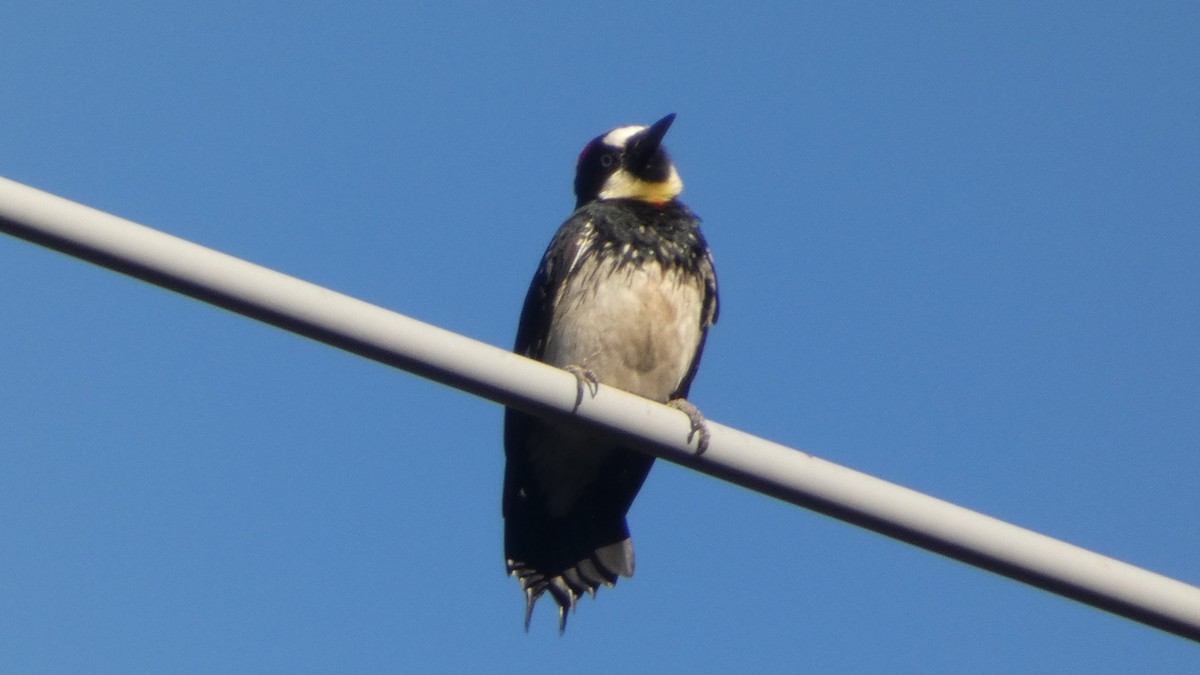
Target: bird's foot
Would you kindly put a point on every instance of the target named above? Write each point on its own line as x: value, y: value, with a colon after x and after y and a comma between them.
x: 583, y: 378
x: 699, y: 426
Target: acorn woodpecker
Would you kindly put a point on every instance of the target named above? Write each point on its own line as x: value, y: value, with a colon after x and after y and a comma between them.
x: 624, y: 296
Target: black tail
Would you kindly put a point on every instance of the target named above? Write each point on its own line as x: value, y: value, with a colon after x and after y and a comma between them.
x: 566, y: 558
x: 566, y: 551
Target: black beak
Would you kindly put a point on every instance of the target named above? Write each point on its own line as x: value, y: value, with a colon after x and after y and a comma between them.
x: 646, y: 143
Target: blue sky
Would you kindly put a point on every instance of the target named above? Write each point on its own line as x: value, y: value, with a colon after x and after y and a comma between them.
x: 957, y: 246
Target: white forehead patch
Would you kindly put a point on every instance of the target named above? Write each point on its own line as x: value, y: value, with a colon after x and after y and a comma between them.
x: 618, y: 137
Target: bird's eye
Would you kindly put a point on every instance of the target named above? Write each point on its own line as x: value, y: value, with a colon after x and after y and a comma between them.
x: 607, y: 159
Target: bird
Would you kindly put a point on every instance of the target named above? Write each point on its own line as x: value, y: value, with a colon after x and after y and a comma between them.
x: 624, y: 296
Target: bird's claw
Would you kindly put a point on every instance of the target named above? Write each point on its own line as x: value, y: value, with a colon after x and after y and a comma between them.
x: 583, y: 378
x: 699, y: 426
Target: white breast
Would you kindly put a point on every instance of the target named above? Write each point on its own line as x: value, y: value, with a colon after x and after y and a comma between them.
x: 637, y: 327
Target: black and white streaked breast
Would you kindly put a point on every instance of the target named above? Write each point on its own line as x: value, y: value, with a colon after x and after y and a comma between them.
x: 635, y: 325
x: 634, y: 299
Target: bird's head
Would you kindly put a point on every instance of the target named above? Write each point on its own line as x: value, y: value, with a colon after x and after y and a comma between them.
x: 628, y: 163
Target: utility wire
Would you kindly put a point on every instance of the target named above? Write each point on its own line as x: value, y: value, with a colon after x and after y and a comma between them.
x: 440, y: 355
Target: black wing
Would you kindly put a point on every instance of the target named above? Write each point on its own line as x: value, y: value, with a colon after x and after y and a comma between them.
x: 708, y: 315
x: 543, y: 291
x: 532, y: 330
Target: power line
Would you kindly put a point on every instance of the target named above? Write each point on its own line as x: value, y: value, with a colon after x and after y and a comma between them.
x: 504, y: 377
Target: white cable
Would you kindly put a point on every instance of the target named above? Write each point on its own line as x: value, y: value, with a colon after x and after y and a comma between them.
x: 501, y: 376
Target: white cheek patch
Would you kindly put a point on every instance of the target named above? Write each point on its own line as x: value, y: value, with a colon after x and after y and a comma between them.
x: 624, y: 185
